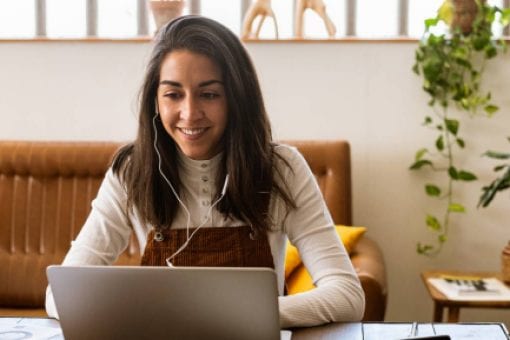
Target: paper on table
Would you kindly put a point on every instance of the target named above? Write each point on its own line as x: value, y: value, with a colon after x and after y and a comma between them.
x: 495, y: 290
x: 285, y: 334
x: 27, y: 328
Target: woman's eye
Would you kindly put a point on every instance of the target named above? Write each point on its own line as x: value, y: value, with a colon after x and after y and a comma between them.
x: 209, y: 95
x: 173, y: 95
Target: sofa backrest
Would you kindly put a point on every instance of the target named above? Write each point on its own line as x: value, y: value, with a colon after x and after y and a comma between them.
x: 45, y: 193
x: 46, y: 189
x: 330, y: 162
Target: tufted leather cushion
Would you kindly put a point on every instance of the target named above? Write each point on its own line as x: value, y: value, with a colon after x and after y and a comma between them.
x: 45, y: 193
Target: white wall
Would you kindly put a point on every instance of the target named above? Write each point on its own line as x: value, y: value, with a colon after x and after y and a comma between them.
x: 362, y: 92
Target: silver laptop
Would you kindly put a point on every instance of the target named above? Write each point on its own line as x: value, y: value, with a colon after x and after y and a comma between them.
x: 113, y: 302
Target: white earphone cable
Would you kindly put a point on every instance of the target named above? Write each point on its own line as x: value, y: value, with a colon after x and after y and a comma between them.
x: 188, y: 214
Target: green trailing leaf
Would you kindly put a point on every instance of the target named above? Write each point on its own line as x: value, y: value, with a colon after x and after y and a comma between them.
x: 432, y: 69
x: 456, y: 207
x: 440, y: 143
x: 490, y: 51
x: 431, y: 22
x: 417, y: 165
x: 466, y: 176
x: 497, y: 155
x: 441, y: 238
x: 416, y: 69
x: 446, y: 12
x: 505, y: 17
x: 465, y: 103
x: 452, y: 125
x: 452, y: 172
x: 427, y: 120
x: 479, y: 42
x: 423, y: 249
x: 460, y: 143
x: 420, y: 153
x: 491, y: 109
x: 432, y: 190
x: 499, y: 184
x: 433, y: 223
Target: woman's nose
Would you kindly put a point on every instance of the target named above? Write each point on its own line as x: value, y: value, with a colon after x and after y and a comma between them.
x: 190, y: 110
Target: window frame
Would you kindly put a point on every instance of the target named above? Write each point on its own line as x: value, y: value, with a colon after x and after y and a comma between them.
x: 143, y: 20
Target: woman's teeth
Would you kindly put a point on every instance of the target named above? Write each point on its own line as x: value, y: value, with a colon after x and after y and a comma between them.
x: 192, y: 132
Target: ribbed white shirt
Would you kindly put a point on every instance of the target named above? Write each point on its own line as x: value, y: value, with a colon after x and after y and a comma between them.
x: 338, y: 296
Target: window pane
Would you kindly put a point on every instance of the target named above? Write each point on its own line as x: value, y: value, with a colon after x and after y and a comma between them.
x: 17, y: 18
x: 66, y: 18
x: 117, y: 18
x: 375, y: 18
x: 228, y: 12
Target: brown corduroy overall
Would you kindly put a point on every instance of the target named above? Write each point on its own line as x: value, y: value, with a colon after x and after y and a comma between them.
x: 209, y: 247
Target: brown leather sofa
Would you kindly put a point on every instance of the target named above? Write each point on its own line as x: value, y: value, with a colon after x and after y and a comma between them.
x: 45, y: 193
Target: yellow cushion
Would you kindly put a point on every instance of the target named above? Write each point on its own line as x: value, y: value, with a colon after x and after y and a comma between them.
x: 350, y: 236
x: 292, y: 259
x: 300, y: 281
x: 297, y: 277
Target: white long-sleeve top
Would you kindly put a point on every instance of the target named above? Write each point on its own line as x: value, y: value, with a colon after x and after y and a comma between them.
x: 338, y: 296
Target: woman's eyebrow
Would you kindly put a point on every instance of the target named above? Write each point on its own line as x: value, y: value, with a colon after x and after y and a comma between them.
x: 209, y: 82
x: 170, y: 82
x: 202, y: 84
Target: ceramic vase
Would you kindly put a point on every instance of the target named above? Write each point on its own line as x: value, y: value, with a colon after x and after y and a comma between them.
x: 465, y: 12
x: 165, y: 11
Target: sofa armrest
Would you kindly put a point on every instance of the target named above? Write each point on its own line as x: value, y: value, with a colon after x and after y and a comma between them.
x: 368, y: 262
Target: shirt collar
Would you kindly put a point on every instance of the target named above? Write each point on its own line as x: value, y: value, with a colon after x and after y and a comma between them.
x: 191, y: 165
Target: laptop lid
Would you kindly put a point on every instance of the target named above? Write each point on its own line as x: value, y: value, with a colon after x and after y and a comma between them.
x: 115, y: 302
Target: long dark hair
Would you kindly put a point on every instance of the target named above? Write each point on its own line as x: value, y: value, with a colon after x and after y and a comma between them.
x: 249, y: 155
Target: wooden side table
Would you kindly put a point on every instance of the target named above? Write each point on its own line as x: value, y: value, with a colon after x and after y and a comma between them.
x: 441, y: 301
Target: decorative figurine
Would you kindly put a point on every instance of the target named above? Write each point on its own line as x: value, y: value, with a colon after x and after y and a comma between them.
x: 320, y: 8
x: 258, y: 8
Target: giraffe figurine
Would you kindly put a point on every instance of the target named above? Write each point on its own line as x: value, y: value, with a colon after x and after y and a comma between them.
x: 320, y: 8
x: 260, y: 8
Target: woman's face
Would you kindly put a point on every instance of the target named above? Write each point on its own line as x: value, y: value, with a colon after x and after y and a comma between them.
x: 192, y: 103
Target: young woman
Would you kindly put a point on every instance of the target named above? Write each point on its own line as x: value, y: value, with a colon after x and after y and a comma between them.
x: 203, y: 183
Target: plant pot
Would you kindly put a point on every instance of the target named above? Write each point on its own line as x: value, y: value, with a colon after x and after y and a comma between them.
x: 464, y: 13
x: 165, y: 11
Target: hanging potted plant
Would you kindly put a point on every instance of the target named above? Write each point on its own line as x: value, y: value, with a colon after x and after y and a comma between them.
x: 451, y: 66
